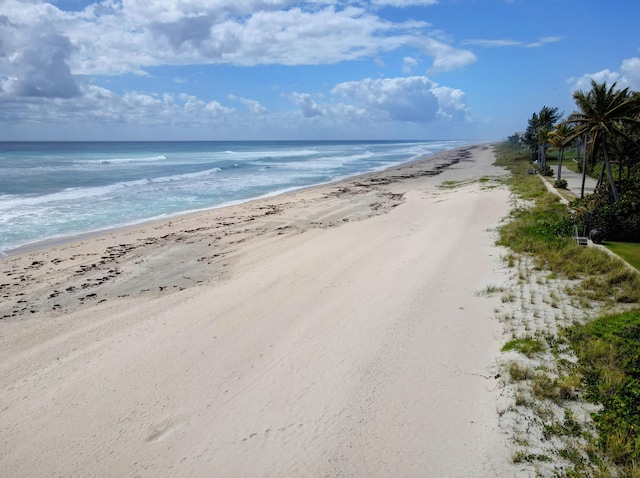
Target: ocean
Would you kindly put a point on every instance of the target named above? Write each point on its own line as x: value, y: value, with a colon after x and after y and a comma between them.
x: 52, y: 190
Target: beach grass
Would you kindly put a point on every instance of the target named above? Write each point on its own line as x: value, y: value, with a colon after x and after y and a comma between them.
x: 542, y: 227
x: 605, y: 368
x: 527, y: 345
x: 608, y: 349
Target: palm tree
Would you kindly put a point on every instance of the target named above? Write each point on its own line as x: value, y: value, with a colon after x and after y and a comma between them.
x: 546, y: 118
x: 543, y: 142
x: 560, y: 138
x: 604, y: 113
x: 627, y: 152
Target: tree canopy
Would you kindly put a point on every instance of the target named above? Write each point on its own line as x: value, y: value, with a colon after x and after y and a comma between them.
x: 604, y: 115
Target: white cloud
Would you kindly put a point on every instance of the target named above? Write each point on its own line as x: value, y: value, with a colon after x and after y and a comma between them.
x: 33, y: 62
x: 500, y: 43
x: 408, y: 64
x: 113, y: 37
x: 491, y: 43
x: 627, y: 77
x: 543, y: 41
x: 252, y: 105
x: 584, y: 82
x: 630, y: 69
x: 445, y: 57
x: 380, y: 63
x: 415, y: 99
x: 452, y: 104
x: 306, y: 104
x: 48, y: 57
x: 404, y: 3
x: 96, y: 104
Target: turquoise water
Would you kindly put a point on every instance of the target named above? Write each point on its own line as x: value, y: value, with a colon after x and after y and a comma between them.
x: 56, y: 189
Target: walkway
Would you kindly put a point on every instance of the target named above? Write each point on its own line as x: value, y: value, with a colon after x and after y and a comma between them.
x: 574, y: 181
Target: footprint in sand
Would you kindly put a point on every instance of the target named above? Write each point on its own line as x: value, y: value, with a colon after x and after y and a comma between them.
x: 161, y: 431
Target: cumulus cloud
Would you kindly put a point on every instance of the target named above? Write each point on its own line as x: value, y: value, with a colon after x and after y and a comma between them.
x: 415, y: 99
x: 50, y: 58
x: 113, y: 37
x: 584, y: 82
x: 290, y: 37
x: 34, y: 62
x: 630, y: 70
x: 452, y: 104
x: 100, y: 105
x: 627, y: 77
x: 252, y: 105
x: 306, y: 104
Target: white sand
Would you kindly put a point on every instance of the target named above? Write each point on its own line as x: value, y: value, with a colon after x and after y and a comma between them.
x: 334, y: 331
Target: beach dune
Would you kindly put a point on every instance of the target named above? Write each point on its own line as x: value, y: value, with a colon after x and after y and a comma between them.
x: 333, y: 331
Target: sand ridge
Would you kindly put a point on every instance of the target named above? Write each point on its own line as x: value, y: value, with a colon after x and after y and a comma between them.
x: 334, y: 331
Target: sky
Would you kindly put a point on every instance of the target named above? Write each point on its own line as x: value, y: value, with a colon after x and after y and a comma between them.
x: 314, y: 70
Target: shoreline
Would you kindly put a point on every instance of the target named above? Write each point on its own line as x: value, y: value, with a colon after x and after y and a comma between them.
x: 331, y: 331
x: 66, y: 239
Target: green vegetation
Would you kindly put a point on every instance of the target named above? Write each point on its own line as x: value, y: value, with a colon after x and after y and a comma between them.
x: 609, y: 118
x: 518, y: 372
x: 490, y: 290
x: 604, y: 132
x: 608, y: 349
x: 528, y: 346
x: 619, y: 220
x: 561, y: 183
x: 630, y: 252
x: 543, y: 229
x: 602, y: 139
x: 609, y: 359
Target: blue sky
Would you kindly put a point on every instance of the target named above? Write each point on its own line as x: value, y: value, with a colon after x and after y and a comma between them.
x: 320, y: 69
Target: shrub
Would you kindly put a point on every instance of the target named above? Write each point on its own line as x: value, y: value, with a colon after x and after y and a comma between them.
x: 620, y: 221
x: 547, y: 171
x: 561, y: 183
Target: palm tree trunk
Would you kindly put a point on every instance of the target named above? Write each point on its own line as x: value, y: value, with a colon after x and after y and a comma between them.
x: 560, y: 155
x: 584, y: 168
x: 539, y: 157
x: 607, y: 163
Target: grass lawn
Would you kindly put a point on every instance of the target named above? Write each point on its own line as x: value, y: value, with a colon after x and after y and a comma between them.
x: 629, y: 251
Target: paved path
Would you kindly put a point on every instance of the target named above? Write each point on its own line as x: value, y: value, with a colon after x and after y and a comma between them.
x: 574, y: 181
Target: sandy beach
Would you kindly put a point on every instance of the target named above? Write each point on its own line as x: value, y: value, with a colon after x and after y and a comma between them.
x: 332, y: 331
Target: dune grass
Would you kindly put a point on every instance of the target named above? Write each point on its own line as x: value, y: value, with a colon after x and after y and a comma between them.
x: 527, y: 345
x: 543, y: 229
x: 607, y: 349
